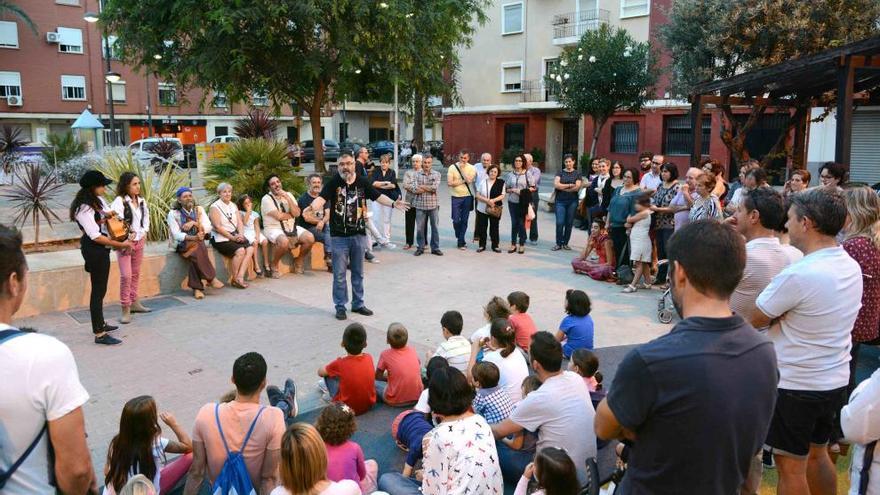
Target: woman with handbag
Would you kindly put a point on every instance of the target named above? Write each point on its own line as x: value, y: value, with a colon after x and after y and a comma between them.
x: 91, y: 213
x: 229, y: 239
x: 490, y: 201
x: 517, y: 185
x: 131, y: 206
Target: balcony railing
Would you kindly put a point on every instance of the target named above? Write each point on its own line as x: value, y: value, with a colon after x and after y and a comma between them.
x: 568, y: 28
x: 536, y: 91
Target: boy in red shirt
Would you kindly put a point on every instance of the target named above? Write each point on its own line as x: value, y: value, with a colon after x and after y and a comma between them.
x: 398, y: 374
x: 522, y: 323
x: 349, y: 379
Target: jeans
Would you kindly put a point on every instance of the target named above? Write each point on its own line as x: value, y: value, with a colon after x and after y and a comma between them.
x: 410, y: 221
x: 129, y: 262
x: 348, y: 252
x: 422, y: 218
x: 332, y: 383
x: 97, y: 260
x: 619, y: 239
x: 461, y: 210
x: 663, y: 236
x: 517, y: 223
x: 533, y: 231
x: 513, y: 462
x: 397, y: 484
x: 565, y: 210
x: 322, y: 236
x: 484, y: 221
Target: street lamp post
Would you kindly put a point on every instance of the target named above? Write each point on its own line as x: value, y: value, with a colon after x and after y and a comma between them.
x: 110, y: 77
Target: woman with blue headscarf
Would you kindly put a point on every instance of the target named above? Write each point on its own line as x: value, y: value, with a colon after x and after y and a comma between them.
x: 189, y: 228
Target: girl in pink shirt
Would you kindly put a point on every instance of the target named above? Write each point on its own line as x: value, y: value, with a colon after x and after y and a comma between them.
x: 345, y: 458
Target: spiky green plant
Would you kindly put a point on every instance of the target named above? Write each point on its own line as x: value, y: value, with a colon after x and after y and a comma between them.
x: 256, y: 124
x: 33, y: 197
x: 247, y: 164
x: 157, y: 188
x: 62, y: 147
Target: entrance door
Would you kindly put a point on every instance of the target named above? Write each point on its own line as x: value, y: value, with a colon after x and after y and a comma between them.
x: 570, y: 138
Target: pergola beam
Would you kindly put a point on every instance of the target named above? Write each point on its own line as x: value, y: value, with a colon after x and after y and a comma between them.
x: 843, y: 137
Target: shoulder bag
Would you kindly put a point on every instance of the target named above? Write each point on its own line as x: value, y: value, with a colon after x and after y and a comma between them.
x: 291, y: 234
x: 624, y: 270
x: 468, y: 186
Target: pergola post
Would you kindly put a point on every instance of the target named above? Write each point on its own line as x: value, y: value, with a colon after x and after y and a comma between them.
x: 843, y: 141
x: 801, y: 132
x: 696, y: 129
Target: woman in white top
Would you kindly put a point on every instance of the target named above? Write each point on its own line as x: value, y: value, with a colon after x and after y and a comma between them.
x: 303, y: 466
x: 504, y: 353
x: 229, y: 237
x: 90, y: 212
x: 131, y: 206
x: 640, y: 243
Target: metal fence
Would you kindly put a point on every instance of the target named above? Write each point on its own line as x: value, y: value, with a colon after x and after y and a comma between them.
x: 575, y: 24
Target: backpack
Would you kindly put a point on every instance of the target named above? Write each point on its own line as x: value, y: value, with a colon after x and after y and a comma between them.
x: 6, y: 335
x: 234, y: 478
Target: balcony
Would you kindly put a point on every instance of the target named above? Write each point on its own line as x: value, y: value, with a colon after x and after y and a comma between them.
x: 568, y: 28
x: 536, y: 91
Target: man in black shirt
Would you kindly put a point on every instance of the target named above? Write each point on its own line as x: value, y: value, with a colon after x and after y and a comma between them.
x: 696, y: 402
x: 346, y: 195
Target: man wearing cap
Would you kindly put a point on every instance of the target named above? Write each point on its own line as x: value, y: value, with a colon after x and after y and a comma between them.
x: 189, y: 226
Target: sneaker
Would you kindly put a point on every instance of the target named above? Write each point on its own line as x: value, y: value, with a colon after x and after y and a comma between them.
x: 556, y: 248
x: 290, y: 396
x: 274, y: 394
x: 109, y: 328
x: 629, y: 289
x: 566, y: 247
x: 533, y: 243
x: 419, y: 252
x: 106, y: 339
x: 363, y: 310
x: 437, y: 252
x: 325, y: 394
x: 374, y: 260
x: 369, y: 256
x: 389, y: 245
x: 340, y: 314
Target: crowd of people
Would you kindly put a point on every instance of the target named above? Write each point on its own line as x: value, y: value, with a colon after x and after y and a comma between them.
x: 777, y: 292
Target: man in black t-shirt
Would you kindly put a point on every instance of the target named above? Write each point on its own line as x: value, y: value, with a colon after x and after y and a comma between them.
x: 696, y: 402
x: 346, y: 195
x: 315, y: 222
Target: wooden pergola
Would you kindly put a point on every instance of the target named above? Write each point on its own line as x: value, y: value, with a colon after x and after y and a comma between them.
x: 846, y: 70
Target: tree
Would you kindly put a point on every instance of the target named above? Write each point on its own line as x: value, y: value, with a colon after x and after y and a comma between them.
x: 606, y: 72
x: 716, y: 39
x: 9, y: 8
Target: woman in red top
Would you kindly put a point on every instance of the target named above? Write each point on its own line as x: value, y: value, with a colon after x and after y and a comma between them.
x: 862, y: 243
x: 598, y: 267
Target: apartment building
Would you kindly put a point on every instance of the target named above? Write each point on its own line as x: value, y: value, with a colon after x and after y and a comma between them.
x: 47, y: 79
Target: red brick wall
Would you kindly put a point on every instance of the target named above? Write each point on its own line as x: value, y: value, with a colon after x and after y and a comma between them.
x: 484, y: 132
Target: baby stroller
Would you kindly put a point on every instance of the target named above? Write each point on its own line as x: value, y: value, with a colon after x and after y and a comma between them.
x: 665, y: 308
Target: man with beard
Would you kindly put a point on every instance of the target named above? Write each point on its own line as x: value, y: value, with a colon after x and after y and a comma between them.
x: 189, y: 226
x: 346, y: 195
x: 280, y: 211
x: 696, y: 402
x: 315, y: 223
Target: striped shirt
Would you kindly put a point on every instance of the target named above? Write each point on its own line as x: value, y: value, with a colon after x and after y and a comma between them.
x: 765, y: 258
x: 456, y: 351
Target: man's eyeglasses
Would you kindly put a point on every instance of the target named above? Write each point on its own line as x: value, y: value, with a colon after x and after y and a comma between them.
x: 657, y: 163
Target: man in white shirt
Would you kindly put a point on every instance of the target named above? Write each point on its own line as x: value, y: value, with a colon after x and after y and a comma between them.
x: 280, y: 211
x: 651, y: 179
x: 811, y: 307
x: 41, y: 397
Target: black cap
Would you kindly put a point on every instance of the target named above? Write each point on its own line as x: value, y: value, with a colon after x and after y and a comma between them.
x: 93, y: 178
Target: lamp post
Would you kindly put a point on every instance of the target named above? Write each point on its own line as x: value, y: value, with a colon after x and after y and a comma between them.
x: 110, y: 77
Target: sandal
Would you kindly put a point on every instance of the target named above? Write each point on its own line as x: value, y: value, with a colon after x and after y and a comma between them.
x: 629, y: 289
x: 240, y: 285
x: 512, y: 249
x: 258, y: 273
x: 643, y: 286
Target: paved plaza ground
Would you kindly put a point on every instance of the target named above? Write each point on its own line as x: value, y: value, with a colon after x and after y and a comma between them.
x: 183, y: 354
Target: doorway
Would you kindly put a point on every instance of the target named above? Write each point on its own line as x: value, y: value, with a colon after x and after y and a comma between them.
x: 570, y: 138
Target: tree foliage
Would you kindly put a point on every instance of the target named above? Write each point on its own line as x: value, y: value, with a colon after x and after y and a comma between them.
x: 716, y: 39
x: 62, y: 147
x: 606, y: 72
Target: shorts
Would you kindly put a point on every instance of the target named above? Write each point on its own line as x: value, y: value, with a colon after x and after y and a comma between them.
x: 274, y: 234
x: 803, y: 418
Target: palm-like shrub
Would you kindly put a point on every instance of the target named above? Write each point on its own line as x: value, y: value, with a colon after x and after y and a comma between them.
x: 157, y: 188
x: 33, y: 197
x: 11, y: 138
x: 62, y: 147
x: 247, y: 164
x: 256, y: 124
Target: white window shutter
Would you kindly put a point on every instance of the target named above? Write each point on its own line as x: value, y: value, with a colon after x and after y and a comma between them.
x: 8, y: 34
x: 10, y: 79
x: 70, y: 36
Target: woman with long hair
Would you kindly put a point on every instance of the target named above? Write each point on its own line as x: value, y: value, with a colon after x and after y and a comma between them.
x: 90, y: 212
x: 597, y: 258
x: 664, y: 218
x: 131, y: 206
x: 229, y: 239
x: 511, y: 362
x: 516, y: 184
x: 140, y: 448
x: 555, y: 472
x: 303, y: 466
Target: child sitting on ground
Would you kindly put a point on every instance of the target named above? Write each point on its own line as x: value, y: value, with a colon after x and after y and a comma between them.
x: 586, y: 364
x: 496, y: 308
x: 433, y: 365
x: 345, y: 458
x: 555, y: 472
x: 398, y: 374
x: 456, y: 349
x: 491, y: 401
x: 525, y: 440
x: 350, y: 379
x: 521, y: 322
x: 576, y: 329
x: 408, y: 430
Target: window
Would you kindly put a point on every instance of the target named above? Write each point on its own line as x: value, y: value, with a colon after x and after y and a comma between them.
x: 8, y: 34
x: 110, y: 45
x: 118, y: 90
x: 67, y: 2
x: 634, y: 8
x: 625, y: 137
x: 678, y: 138
x: 10, y: 84
x: 512, y: 18
x: 71, y: 40
x: 343, y: 131
x: 167, y: 94
x: 515, y: 136
x: 221, y: 130
x: 73, y: 87
x: 260, y: 100
x: 511, y: 77
x: 219, y: 100
x: 120, y: 141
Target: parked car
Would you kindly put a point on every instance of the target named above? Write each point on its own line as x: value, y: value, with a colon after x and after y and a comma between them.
x: 379, y: 148
x: 157, y: 151
x: 228, y: 138
x: 331, y: 150
x: 351, y: 145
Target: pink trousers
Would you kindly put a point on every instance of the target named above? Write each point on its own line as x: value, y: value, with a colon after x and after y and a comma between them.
x: 130, y: 271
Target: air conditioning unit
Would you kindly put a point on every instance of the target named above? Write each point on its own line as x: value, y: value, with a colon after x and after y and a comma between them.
x: 53, y: 37
x: 13, y: 101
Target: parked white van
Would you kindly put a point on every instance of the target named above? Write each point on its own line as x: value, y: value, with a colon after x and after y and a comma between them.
x: 145, y: 151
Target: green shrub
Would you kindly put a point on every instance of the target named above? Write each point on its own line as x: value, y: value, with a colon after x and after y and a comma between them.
x: 509, y: 154
x: 584, y: 164
x: 61, y: 148
x: 247, y: 164
x: 538, y: 155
